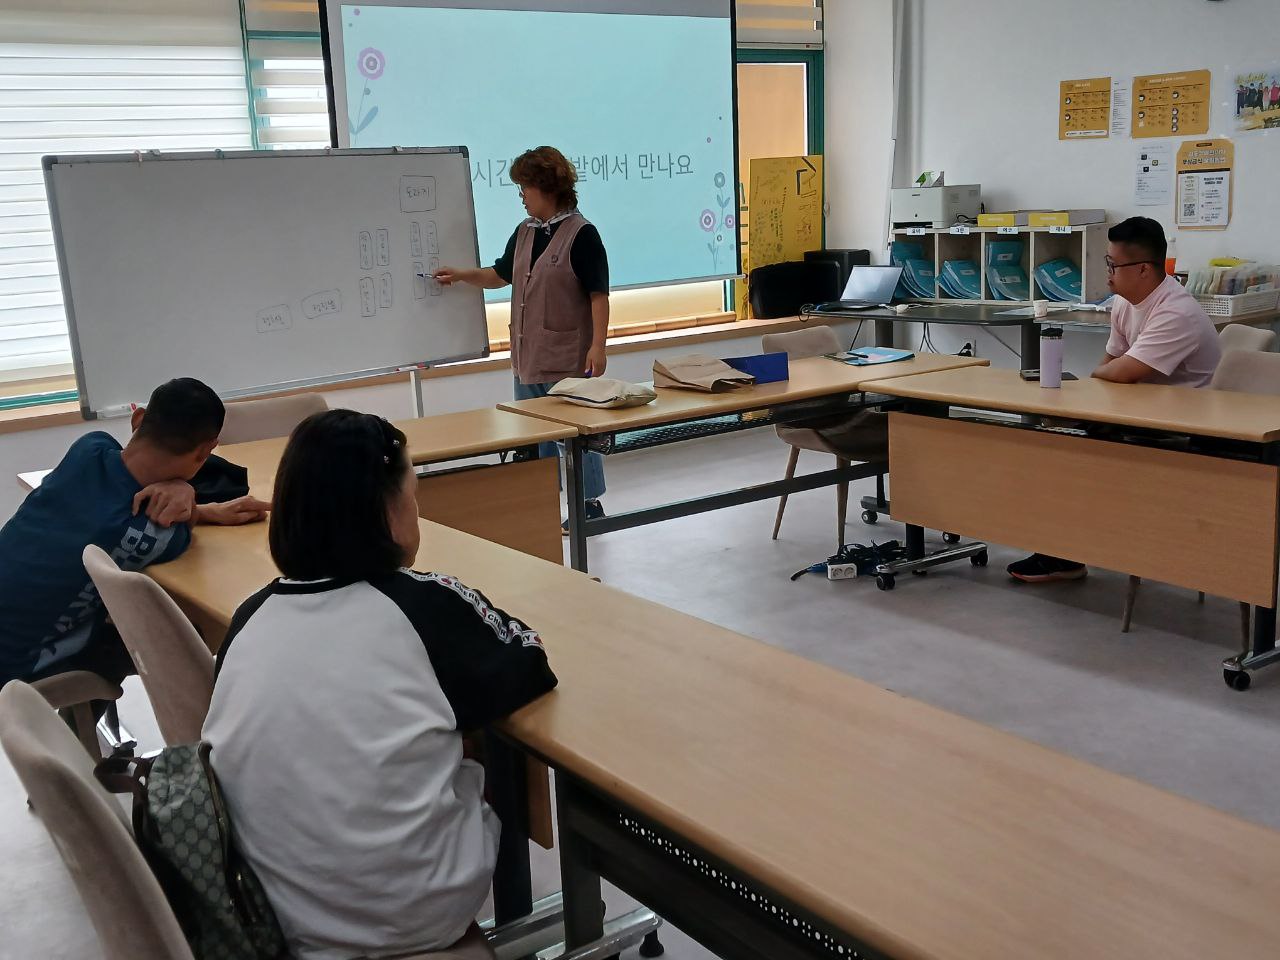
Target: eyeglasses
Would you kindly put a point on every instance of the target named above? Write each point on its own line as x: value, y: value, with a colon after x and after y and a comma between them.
x: 1112, y: 266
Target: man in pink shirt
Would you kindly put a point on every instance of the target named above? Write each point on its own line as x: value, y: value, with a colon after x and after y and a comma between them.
x: 1159, y: 334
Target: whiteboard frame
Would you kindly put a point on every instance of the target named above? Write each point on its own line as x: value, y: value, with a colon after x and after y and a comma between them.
x: 331, y: 48
x: 154, y: 156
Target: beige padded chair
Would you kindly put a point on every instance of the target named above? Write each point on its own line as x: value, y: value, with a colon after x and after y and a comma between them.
x: 861, y: 436
x: 1237, y: 336
x: 88, y: 826
x: 123, y: 899
x: 174, y: 664
x: 273, y: 417
x: 1241, y: 370
x: 72, y: 694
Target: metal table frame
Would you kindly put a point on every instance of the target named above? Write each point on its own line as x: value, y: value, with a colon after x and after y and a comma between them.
x: 695, y: 427
x: 1262, y: 649
x: 725, y: 909
x: 954, y: 314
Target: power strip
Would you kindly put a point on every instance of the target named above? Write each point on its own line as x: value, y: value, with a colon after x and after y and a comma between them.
x: 841, y: 571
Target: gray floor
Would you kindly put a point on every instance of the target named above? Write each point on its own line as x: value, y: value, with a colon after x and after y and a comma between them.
x: 1047, y: 663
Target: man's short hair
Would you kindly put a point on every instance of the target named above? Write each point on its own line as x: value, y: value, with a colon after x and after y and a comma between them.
x: 1144, y: 235
x: 181, y: 415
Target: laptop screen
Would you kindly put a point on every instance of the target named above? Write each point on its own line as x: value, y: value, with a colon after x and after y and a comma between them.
x: 872, y: 284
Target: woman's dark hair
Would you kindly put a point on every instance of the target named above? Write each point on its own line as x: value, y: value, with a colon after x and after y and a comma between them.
x: 339, y: 473
x: 547, y: 169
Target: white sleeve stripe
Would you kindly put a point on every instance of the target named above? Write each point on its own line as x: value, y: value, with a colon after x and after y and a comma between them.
x: 505, y: 630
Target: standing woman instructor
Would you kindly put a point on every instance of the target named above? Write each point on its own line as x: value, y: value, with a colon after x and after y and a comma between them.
x: 557, y: 265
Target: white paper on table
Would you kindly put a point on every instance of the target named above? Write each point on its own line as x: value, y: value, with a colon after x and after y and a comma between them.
x: 1120, y: 101
x: 1153, y: 175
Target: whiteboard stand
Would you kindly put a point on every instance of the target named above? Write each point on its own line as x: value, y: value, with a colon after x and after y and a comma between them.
x: 415, y: 384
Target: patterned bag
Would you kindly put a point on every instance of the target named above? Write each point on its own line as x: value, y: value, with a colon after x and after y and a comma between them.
x: 180, y: 823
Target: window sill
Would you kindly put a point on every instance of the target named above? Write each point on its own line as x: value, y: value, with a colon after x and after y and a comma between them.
x: 630, y: 339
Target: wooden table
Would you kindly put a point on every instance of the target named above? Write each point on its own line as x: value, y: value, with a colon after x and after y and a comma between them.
x: 513, y: 503
x: 1165, y: 483
x: 816, y: 386
x: 775, y: 808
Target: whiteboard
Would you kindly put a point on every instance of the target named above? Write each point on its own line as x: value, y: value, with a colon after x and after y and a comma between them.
x: 261, y: 271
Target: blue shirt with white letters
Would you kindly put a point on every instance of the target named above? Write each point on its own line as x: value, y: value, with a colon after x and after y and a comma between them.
x: 49, y: 607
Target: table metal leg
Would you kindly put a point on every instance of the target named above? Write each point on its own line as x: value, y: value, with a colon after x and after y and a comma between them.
x: 1261, y: 653
x: 580, y: 883
x: 883, y: 333
x: 575, y: 493
x: 1030, y: 346
x: 505, y: 772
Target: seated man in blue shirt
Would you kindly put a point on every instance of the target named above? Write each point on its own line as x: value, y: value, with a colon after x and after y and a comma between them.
x: 135, y: 503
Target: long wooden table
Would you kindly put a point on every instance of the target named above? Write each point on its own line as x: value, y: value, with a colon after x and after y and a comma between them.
x: 1166, y: 483
x: 816, y: 386
x: 513, y: 503
x: 775, y: 808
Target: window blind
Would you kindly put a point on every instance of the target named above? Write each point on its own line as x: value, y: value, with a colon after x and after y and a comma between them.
x: 75, y: 97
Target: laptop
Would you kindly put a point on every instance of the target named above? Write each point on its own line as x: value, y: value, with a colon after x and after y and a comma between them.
x: 868, y: 288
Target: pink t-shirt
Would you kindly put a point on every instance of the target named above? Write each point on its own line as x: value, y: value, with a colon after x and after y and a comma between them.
x: 1169, y: 332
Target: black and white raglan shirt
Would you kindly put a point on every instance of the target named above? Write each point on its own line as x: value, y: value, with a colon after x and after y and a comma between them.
x: 336, y: 727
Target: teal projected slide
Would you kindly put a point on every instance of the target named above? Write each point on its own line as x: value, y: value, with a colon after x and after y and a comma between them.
x: 641, y: 103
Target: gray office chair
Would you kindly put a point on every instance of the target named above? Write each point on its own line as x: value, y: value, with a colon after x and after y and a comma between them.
x: 271, y: 417
x: 862, y: 436
x: 1241, y: 370
x: 1237, y: 336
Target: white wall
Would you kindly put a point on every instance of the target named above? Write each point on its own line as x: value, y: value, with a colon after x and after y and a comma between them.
x: 41, y: 449
x: 980, y: 90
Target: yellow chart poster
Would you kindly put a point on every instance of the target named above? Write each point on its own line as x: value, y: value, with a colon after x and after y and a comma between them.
x: 1084, y: 108
x: 1171, y: 104
x: 1204, y: 184
x: 784, y: 204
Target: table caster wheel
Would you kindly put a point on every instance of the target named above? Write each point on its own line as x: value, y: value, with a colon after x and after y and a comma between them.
x: 885, y: 581
x: 951, y: 538
x: 979, y: 559
x: 870, y: 516
x: 1237, y: 679
x: 651, y: 946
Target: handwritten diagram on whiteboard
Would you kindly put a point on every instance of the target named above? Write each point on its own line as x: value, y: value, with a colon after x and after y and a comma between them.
x: 266, y: 269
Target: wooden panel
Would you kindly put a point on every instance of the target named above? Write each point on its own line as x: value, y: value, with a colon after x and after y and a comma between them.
x: 810, y: 378
x: 448, y: 436
x: 1211, y: 413
x: 514, y: 504
x: 925, y: 834
x: 1194, y: 521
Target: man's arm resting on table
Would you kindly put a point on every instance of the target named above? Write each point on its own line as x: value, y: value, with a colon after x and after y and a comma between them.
x: 1124, y: 369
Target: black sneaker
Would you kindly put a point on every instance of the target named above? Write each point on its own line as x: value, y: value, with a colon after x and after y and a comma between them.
x: 594, y: 512
x: 1042, y: 568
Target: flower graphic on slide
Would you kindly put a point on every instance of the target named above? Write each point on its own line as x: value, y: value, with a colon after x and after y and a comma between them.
x: 726, y: 219
x: 370, y: 62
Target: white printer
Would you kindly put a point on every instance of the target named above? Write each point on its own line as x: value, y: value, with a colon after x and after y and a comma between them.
x: 935, y: 206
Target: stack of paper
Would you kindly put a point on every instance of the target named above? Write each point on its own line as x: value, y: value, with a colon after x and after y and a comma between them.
x: 1005, y: 276
x: 1060, y: 280
x: 960, y: 279
x: 917, y: 273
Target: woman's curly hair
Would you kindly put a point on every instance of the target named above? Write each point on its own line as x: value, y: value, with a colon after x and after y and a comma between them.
x: 548, y: 170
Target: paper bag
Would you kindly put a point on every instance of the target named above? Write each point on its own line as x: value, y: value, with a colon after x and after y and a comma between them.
x: 697, y: 371
x: 602, y: 392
